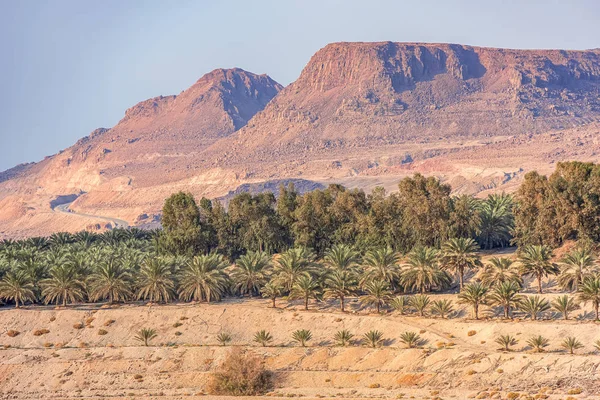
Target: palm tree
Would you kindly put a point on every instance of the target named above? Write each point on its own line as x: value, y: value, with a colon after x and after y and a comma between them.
x: 400, y: 304
x: 342, y: 258
x: 343, y: 338
x: 381, y: 264
x: 422, y: 271
x: 271, y: 290
x: 249, y: 273
x: 442, y: 307
x: 474, y: 294
x: 533, y: 306
x: 506, y: 341
x: 111, y: 281
x: 590, y: 291
x: 410, y: 339
x: 203, y: 278
x: 421, y: 302
x: 302, y: 336
x: 577, y: 265
x: 63, y: 286
x: 497, y: 221
x: 263, y: 337
x: 340, y: 283
x: 505, y: 295
x: 564, y: 305
x: 155, y: 282
x: 293, y: 264
x: 145, y: 335
x: 571, y: 343
x: 500, y: 269
x: 535, y: 261
x: 306, y: 287
x: 538, y: 343
x: 224, y: 338
x: 17, y: 286
x: 378, y: 294
x: 373, y: 338
x: 458, y: 255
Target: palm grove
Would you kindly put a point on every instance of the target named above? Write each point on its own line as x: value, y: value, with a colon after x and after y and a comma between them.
x: 333, y: 244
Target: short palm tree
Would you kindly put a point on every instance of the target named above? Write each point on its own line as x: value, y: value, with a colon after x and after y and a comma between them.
x: 305, y: 288
x: 538, y: 343
x: 377, y: 294
x: 381, y: 264
x: 401, y: 304
x: 474, y: 294
x: 110, y: 280
x: 422, y: 271
x: 250, y: 272
x: 564, y: 305
x: 155, y: 282
x: 533, y: 306
x: 145, y: 335
x: 224, y: 338
x: 263, y: 337
x: 288, y: 267
x: 500, y: 269
x: 505, y: 295
x: 203, y: 278
x: 18, y: 287
x: 373, y: 338
x: 576, y: 266
x: 589, y: 291
x: 441, y: 308
x: 571, y: 344
x: 272, y: 290
x: 343, y: 338
x: 63, y: 286
x: 302, y: 336
x: 340, y: 283
x: 420, y: 302
x: 459, y: 255
x: 506, y: 341
x: 536, y: 261
x: 410, y: 339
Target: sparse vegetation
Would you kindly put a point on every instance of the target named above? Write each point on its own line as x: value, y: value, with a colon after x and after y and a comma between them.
x: 343, y: 338
x: 145, y: 335
x: 302, y: 336
x: 506, y: 342
x: 241, y: 374
x: 538, y: 343
x: 224, y: 338
x: 410, y: 339
x: 373, y: 338
x: 571, y: 344
x: 263, y: 338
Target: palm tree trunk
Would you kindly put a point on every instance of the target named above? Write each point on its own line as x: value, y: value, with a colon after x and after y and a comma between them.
x: 506, y: 310
x: 273, y: 299
x: 461, y: 278
x: 539, y: 278
x: 476, y: 309
x: 16, y: 302
x: 306, y: 303
x: 378, y: 307
x: 597, y: 306
x: 342, y: 303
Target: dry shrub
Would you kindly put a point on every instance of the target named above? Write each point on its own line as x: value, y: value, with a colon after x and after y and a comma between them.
x: 78, y: 325
x: 374, y: 386
x: 40, y: 332
x: 102, y: 332
x: 575, y: 391
x: 13, y: 333
x: 183, y: 318
x: 89, y: 321
x: 471, y: 333
x: 241, y: 374
x: 52, y: 318
x: 48, y: 344
x: 109, y: 322
x: 177, y: 324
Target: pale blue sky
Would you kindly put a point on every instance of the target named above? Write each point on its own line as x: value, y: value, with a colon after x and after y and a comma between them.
x: 70, y: 66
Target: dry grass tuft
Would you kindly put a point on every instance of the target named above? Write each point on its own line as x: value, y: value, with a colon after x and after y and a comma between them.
x: 471, y: 333
x: 109, y: 322
x: 102, y: 332
x: 40, y: 332
x: 78, y: 325
x: 241, y: 374
x: 13, y: 333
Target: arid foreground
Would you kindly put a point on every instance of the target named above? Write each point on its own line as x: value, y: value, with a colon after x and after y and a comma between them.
x: 91, y: 352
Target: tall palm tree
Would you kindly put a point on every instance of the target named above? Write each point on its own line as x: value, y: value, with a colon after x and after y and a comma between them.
x: 340, y: 283
x: 293, y: 264
x: 204, y: 278
x: 155, y: 282
x: 422, y: 270
x: 500, y: 269
x: 497, y: 221
x: 381, y: 264
x: 306, y: 287
x: 18, y: 287
x: 536, y: 261
x: 341, y: 257
x: 474, y: 294
x: 378, y: 294
x: 589, y: 291
x: 564, y: 305
x: 576, y: 266
x: 506, y: 295
x: 250, y: 272
x: 458, y: 255
x: 110, y: 281
x: 63, y: 286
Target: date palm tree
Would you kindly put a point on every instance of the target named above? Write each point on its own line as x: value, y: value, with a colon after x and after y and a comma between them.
x: 506, y: 341
x: 343, y: 338
x: 306, y: 288
x: 564, y: 305
x: 342, y: 258
x: 224, y: 338
x: 381, y: 264
x: 576, y: 266
x: 155, y: 282
x: 459, y: 255
x: 422, y: 270
x: 474, y: 294
x: 302, y: 336
x: 145, y: 335
x: 272, y: 290
x: 18, y: 287
x: 420, y: 302
x: 203, y: 278
x: 497, y: 221
x: 589, y: 291
x: 536, y: 261
x: 63, y: 286
x: 293, y: 264
x: 250, y: 272
x: 377, y: 294
x: 533, y: 306
x: 500, y: 269
x: 401, y: 304
x: 110, y: 280
x: 340, y: 283
x: 538, y: 343
x: 571, y: 344
x: 441, y: 308
x: 373, y: 338
x: 410, y: 339
x: 263, y: 338
x: 505, y: 295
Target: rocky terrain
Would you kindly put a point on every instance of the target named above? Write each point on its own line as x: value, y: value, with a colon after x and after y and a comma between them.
x: 360, y: 114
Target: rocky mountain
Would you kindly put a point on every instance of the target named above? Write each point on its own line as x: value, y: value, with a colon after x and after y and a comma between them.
x: 360, y: 114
